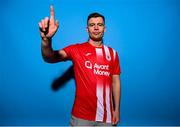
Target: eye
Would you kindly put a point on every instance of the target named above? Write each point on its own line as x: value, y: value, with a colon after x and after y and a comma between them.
x: 100, y: 24
x: 91, y: 24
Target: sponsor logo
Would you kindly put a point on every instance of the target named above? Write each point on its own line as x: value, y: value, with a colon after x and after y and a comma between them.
x: 87, y: 54
x: 98, y: 69
x: 88, y: 64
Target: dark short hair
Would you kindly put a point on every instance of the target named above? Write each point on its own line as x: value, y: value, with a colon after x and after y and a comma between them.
x: 95, y: 15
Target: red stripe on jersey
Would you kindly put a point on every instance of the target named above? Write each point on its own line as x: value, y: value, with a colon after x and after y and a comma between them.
x: 104, y: 102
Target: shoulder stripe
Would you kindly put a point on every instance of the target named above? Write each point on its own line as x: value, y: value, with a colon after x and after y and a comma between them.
x: 107, y: 53
x: 114, y: 54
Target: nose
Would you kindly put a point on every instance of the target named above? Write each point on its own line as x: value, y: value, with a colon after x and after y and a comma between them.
x: 96, y: 27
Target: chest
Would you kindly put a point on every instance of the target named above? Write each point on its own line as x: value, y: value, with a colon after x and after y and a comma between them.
x: 96, y: 58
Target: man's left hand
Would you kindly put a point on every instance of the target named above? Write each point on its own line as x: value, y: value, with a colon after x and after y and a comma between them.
x: 116, y: 117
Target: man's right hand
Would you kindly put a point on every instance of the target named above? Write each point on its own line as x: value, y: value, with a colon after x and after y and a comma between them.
x: 48, y: 27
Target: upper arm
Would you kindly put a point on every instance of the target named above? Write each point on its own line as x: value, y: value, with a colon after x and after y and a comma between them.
x: 116, y: 79
x: 57, y: 56
x: 62, y: 54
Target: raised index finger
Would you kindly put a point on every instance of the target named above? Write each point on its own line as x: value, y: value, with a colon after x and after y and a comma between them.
x: 52, y: 13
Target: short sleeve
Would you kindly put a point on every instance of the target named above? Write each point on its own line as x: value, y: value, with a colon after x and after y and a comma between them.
x: 116, y: 65
x: 70, y: 51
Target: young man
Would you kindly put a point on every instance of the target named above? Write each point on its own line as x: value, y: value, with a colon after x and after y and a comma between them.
x: 97, y: 72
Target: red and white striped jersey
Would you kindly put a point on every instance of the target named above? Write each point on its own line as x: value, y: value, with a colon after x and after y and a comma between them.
x: 93, y: 68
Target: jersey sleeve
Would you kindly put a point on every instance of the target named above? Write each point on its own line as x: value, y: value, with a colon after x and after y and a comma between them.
x: 70, y: 50
x: 116, y: 65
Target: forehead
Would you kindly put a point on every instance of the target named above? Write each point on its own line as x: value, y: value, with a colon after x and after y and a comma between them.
x: 96, y: 20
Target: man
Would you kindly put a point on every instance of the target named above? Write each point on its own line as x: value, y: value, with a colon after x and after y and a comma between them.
x: 97, y: 72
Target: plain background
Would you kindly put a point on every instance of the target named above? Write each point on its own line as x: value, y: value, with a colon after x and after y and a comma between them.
x: 145, y: 33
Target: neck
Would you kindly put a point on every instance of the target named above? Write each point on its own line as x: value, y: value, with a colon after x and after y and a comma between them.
x: 95, y: 43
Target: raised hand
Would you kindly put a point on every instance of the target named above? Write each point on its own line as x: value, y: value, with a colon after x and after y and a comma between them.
x: 48, y: 27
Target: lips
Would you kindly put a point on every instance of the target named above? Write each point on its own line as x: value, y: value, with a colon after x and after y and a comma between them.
x: 96, y: 33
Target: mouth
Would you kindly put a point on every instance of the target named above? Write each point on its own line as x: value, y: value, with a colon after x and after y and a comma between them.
x: 96, y: 33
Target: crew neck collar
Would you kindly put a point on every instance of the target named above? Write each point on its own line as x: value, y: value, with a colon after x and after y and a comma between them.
x: 95, y: 46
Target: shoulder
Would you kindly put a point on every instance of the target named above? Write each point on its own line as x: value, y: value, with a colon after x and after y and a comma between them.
x: 110, y: 49
x: 73, y: 46
x: 79, y: 46
x: 82, y: 44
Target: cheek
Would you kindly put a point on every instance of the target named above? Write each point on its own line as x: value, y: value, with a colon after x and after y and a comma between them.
x: 90, y: 30
x: 103, y: 29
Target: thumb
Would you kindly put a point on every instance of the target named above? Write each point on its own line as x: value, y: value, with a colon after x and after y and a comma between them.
x: 113, y: 120
x: 57, y: 23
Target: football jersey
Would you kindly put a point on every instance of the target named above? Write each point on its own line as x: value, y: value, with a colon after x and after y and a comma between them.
x: 93, y: 68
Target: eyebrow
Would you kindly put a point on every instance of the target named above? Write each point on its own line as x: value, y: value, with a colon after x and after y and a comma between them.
x: 94, y: 24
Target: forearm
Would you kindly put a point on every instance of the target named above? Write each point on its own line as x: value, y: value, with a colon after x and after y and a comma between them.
x: 47, y: 52
x: 116, y: 94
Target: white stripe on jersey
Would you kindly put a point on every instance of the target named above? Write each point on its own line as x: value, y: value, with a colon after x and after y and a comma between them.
x: 108, y: 56
x: 100, y: 106
x: 108, y: 120
x: 99, y: 52
x: 99, y: 90
x: 114, y: 54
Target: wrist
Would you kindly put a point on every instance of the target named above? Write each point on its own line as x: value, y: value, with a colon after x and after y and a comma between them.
x: 116, y: 110
x: 46, y: 38
x: 46, y: 41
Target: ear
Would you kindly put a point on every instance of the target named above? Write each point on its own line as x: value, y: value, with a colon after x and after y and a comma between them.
x: 104, y: 28
x: 87, y: 29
